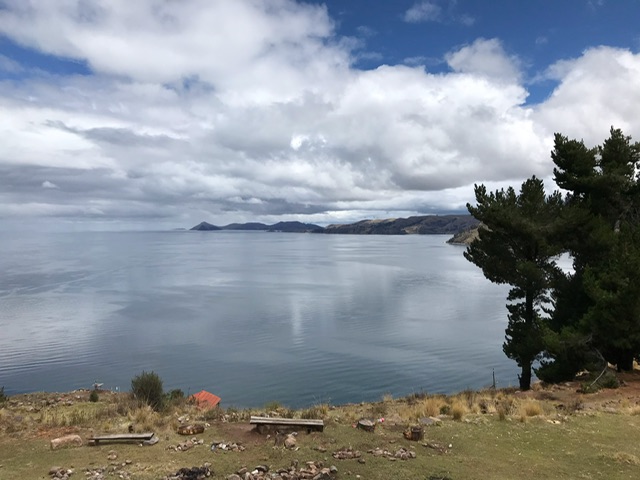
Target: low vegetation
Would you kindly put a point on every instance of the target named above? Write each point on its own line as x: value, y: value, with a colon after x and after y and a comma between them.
x: 147, y: 389
x: 548, y: 432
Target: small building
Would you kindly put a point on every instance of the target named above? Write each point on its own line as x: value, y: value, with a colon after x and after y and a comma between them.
x: 205, y: 399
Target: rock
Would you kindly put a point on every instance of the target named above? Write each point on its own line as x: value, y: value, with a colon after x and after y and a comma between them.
x: 55, y: 470
x: 430, y: 421
x: 190, y: 429
x: 152, y: 441
x: 66, y: 441
x: 346, y: 454
x: 112, y: 455
x: 290, y: 442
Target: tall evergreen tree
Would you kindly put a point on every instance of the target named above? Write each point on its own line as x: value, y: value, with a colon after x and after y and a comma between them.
x: 514, y: 248
x: 596, y: 301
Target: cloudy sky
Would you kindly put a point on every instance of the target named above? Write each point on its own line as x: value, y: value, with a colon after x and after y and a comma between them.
x: 163, y: 113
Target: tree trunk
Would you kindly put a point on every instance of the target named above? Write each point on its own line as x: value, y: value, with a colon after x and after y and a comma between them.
x: 525, y: 377
x: 625, y: 361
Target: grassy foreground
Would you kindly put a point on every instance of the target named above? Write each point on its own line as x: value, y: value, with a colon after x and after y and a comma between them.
x: 551, y: 432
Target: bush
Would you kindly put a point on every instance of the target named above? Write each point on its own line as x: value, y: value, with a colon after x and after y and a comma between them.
x: 147, y: 388
x: 458, y: 409
x: 3, y: 396
x: 93, y: 396
x: 175, y: 397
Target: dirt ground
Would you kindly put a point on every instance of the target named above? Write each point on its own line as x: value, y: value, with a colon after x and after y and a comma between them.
x: 568, y: 393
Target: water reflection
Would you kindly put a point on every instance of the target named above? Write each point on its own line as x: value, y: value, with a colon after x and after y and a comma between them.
x: 251, y: 316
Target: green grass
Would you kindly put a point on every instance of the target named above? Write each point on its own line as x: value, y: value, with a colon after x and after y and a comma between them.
x: 588, y: 446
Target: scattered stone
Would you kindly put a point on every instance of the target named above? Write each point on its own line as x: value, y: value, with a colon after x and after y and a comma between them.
x: 437, y: 447
x: 194, y: 473
x: 400, y: 454
x: 60, y: 473
x: 190, y: 429
x: 310, y: 471
x: 66, y: 441
x: 346, y: 454
x: 112, y: 455
x: 228, y: 447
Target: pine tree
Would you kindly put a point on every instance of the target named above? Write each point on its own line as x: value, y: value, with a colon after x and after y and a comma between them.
x: 514, y: 247
x: 597, y: 301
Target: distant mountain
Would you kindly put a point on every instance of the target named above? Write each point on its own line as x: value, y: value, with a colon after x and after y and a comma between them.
x: 246, y: 226
x: 421, y: 225
x: 204, y: 226
x: 295, y: 227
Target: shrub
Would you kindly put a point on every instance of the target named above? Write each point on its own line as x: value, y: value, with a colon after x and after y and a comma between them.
x: 530, y: 408
x: 458, y: 409
x: 272, y: 406
x: 316, y: 411
x: 147, y: 388
x: 175, y: 397
x: 609, y: 380
x: 93, y: 396
x: 445, y: 409
x: 432, y: 406
x: 3, y: 396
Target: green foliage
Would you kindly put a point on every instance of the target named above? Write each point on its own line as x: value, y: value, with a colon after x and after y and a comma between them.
x: 272, y: 406
x: 147, y: 388
x: 600, y: 300
x: 515, y: 247
x: 174, y: 397
x: 93, y: 396
x: 568, y: 320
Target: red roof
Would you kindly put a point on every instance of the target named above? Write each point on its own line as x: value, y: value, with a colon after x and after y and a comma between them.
x: 206, y: 399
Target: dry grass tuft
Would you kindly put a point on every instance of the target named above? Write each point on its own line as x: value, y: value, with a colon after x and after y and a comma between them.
x: 458, y: 410
x: 530, y: 408
x: 428, y: 406
x: 504, y: 406
x: 316, y: 411
x: 628, y: 458
x: 634, y: 410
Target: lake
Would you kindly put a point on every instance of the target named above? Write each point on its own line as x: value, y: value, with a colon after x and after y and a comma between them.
x: 250, y: 316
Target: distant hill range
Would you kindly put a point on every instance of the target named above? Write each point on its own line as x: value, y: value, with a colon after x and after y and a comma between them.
x: 295, y: 227
x: 419, y: 225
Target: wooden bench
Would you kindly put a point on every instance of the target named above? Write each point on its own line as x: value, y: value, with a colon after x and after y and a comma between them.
x: 268, y: 424
x: 123, y: 437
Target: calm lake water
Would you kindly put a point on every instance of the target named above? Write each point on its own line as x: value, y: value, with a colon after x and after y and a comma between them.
x: 249, y: 316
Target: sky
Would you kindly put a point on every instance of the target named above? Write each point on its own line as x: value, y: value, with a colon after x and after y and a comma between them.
x: 156, y: 114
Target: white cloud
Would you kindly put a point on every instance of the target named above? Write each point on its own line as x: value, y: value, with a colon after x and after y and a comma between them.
x: 485, y: 57
x: 424, y: 11
x: 598, y: 90
x: 189, y: 117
